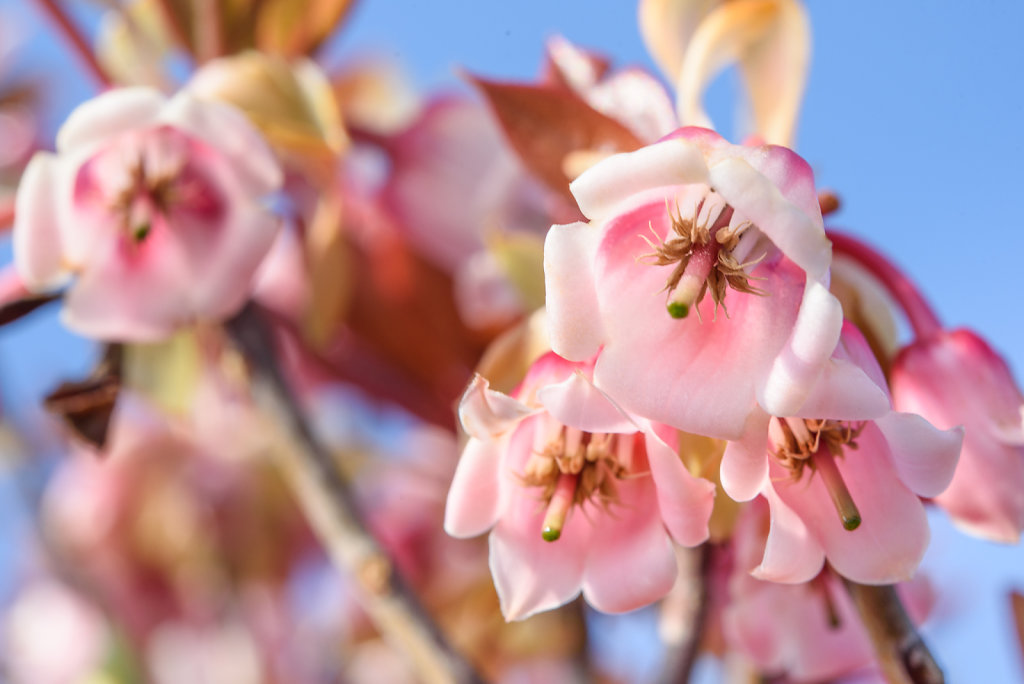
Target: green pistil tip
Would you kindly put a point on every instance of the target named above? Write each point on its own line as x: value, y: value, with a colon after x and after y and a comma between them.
x: 141, y: 231
x: 678, y: 310
x: 851, y: 522
x: 551, y: 534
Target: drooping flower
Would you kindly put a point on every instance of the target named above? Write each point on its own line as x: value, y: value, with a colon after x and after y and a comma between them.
x: 809, y: 632
x: 580, y: 497
x: 155, y: 205
x: 674, y: 222
x: 955, y: 378
x: 843, y: 477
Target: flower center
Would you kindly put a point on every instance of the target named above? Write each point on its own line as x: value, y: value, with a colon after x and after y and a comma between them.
x: 701, y: 250
x: 574, y: 467
x: 798, y: 443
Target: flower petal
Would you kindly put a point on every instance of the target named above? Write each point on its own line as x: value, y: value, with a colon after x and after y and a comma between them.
x: 792, y: 554
x: 893, y: 534
x: 532, y: 575
x: 109, y: 115
x: 574, y: 323
x: 577, y: 403
x: 620, y: 177
x: 811, y: 342
x: 37, y: 245
x: 486, y: 414
x: 845, y: 392
x: 744, y: 471
x: 631, y: 562
x: 474, y: 499
x: 925, y: 457
x: 229, y: 131
x: 685, y: 501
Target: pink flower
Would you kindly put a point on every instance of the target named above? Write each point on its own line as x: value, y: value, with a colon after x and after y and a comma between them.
x: 670, y: 223
x: 579, y: 496
x: 955, y: 378
x: 807, y: 632
x: 842, y: 478
x: 155, y: 205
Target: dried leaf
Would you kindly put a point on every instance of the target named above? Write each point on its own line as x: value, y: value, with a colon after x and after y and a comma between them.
x: 667, y: 25
x: 329, y: 259
x: 297, y: 27
x: 770, y: 40
x: 87, y: 405
x: 545, y: 124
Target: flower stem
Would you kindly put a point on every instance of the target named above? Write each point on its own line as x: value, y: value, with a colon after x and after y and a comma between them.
x: 328, y: 504
x: 919, y: 313
x: 683, y: 650
x: 902, y: 654
x: 76, y: 40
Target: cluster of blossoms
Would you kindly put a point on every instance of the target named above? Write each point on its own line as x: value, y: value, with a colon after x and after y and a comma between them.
x: 667, y: 356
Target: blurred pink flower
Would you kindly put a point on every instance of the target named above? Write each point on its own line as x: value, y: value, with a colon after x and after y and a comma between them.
x: 579, y: 496
x: 809, y: 632
x: 955, y: 378
x: 689, y: 216
x: 843, y: 479
x: 155, y: 205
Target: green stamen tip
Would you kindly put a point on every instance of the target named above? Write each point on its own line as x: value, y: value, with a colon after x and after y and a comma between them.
x: 551, y: 534
x: 678, y: 310
x: 851, y: 522
x: 141, y: 231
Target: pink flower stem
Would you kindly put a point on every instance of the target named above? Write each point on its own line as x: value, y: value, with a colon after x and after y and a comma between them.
x: 331, y: 511
x: 920, y: 314
x: 209, y: 22
x: 75, y: 40
x: 903, y: 656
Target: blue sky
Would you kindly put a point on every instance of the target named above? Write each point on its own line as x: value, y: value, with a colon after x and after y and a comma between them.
x: 913, y: 115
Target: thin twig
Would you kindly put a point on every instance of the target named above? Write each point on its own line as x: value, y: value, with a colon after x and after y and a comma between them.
x: 902, y: 654
x: 76, y: 40
x: 679, y: 663
x: 328, y: 504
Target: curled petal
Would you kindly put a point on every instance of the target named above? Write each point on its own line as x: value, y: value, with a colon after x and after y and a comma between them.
x: 798, y: 234
x: 792, y: 554
x: 677, y: 161
x: 685, y: 501
x: 486, y: 414
x: 845, y: 392
x: 573, y: 320
x: 925, y: 457
x: 37, y: 244
x: 666, y: 27
x: 744, y: 471
x: 109, y: 115
x: 577, y: 403
x: 771, y: 41
x: 812, y: 341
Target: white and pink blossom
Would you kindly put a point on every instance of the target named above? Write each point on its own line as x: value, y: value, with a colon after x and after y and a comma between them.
x: 675, y: 221
x: 578, y: 496
x: 153, y: 207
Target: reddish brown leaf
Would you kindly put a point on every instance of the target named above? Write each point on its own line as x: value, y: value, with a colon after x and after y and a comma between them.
x: 87, y: 405
x: 1017, y: 603
x: 543, y: 124
x: 297, y: 27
